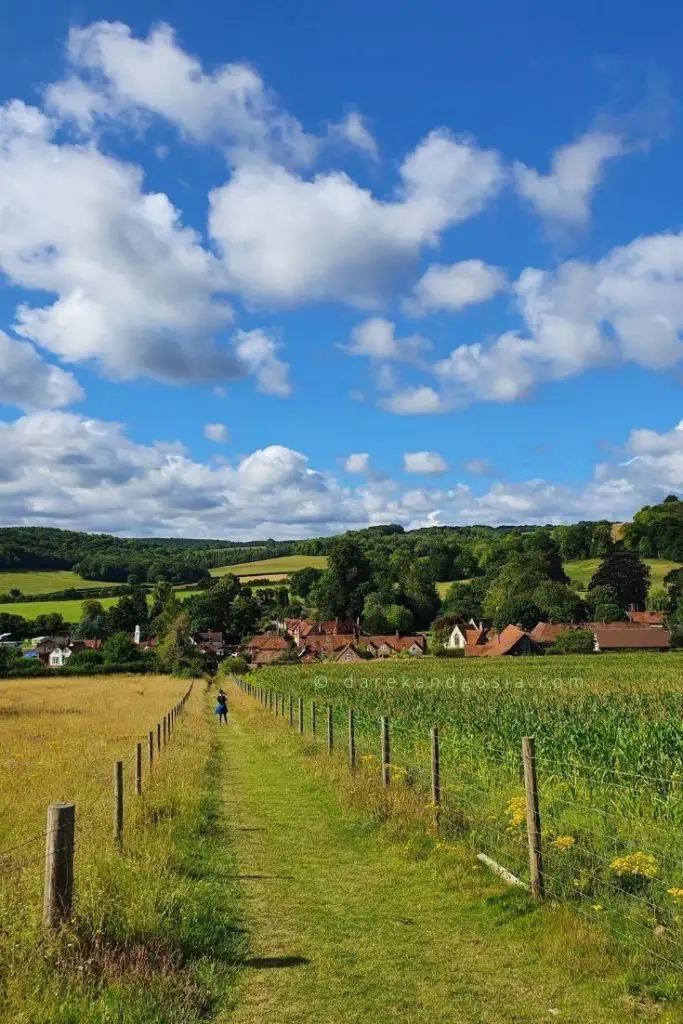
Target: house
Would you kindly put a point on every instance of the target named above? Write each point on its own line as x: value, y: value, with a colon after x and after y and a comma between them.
x: 350, y: 653
x: 59, y: 656
x: 646, y: 618
x: 466, y: 633
x: 301, y: 629
x: 509, y: 643
x: 45, y: 648
x: 210, y: 642
x: 626, y: 637
x: 265, y: 648
x: 545, y: 633
x: 386, y: 646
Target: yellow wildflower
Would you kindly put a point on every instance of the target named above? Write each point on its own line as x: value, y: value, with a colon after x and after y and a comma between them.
x: 597, y: 907
x: 564, y: 842
x: 636, y: 865
x: 676, y: 893
x: 516, y: 812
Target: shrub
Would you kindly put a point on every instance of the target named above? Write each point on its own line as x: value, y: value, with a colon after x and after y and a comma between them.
x: 450, y: 652
x: 573, y: 641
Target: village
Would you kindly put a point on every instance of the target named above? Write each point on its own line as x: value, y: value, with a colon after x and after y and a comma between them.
x: 303, y: 641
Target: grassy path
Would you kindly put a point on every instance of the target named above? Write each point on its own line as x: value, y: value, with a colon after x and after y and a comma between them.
x: 345, y: 927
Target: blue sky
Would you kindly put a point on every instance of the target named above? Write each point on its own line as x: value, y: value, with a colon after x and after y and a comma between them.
x: 293, y: 269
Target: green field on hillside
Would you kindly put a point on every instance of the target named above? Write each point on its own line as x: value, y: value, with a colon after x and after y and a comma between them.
x: 286, y: 564
x: 46, y: 581
x: 71, y: 610
x: 580, y: 572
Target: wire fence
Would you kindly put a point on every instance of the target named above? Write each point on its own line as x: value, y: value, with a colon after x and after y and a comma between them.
x: 610, y: 841
x: 25, y: 855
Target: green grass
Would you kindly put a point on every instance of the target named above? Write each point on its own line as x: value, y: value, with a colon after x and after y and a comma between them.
x: 609, y: 734
x: 580, y: 572
x: 285, y: 564
x: 378, y: 923
x: 70, y: 610
x: 46, y: 582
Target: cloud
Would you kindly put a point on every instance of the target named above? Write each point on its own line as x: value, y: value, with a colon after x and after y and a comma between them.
x: 424, y: 462
x: 285, y: 239
x: 354, y: 131
x: 358, y: 462
x: 137, y: 294
x: 116, y: 75
x: 417, y: 401
x: 479, y: 467
x: 454, y: 287
x: 217, y: 432
x: 376, y: 338
x: 576, y: 170
x: 626, y: 307
x: 258, y: 352
x: 30, y: 383
x: 60, y: 469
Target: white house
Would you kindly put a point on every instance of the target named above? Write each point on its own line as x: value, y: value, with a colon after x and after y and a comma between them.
x: 58, y: 657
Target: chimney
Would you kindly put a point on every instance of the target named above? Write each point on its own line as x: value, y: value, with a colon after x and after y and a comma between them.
x: 136, y: 637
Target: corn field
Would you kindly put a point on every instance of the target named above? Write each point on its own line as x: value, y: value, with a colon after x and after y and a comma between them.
x: 609, y: 757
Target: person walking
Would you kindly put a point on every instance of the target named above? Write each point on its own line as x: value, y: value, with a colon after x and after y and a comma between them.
x: 222, y: 708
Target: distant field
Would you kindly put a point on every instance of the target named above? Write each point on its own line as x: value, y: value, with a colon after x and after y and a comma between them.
x: 44, y: 582
x: 269, y: 566
x: 71, y: 610
x: 580, y: 572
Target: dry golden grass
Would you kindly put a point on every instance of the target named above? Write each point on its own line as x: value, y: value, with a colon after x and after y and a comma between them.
x: 59, y: 740
x: 147, y: 920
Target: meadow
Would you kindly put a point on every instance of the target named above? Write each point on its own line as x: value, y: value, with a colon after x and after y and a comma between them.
x: 143, y: 923
x: 265, y: 566
x: 609, y: 740
x: 581, y: 571
x: 70, y: 610
x: 46, y: 581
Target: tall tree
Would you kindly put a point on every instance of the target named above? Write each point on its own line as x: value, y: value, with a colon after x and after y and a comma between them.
x: 342, y: 589
x: 626, y: 574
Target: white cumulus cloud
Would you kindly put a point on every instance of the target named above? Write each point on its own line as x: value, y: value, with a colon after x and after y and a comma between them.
x: 424, y: 462
x: 576, y: 170
x: 217, y: 432
x: 60, y: 469
x: 29, y: 382
x: 357, y: 462
x: 286, y: 239
x: 454, y: 287
x: 116, y: 73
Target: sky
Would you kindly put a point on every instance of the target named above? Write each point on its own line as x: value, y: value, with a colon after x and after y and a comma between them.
x: 286, y: 270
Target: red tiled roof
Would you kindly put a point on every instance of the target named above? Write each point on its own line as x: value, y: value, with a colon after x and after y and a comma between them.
x: 396, y: 643
x: 646, y: 618
x: 474, y: 637
x: 267, y: 641
x: 548, y: 632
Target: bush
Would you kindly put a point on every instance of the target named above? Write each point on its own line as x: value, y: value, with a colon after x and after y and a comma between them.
x: 574, y: 641
x: 449, y: 652
x: 86, y: 659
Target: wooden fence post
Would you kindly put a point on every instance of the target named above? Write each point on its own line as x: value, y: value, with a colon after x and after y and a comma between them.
x: 59, y: 864
x: 150, y: 741
x: 301, y: 715
x: 163, y: 728
x: 436, y: 772
x: 277, y: 704
x: 158, y: 737
x: 118, y: 805
x: 291, y: 710
x: 314, y: 718
x: 138, y: 769
x: 330, y: 728
x: 352, y: 739
x: 386, y: 751
x: 533, y: 817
